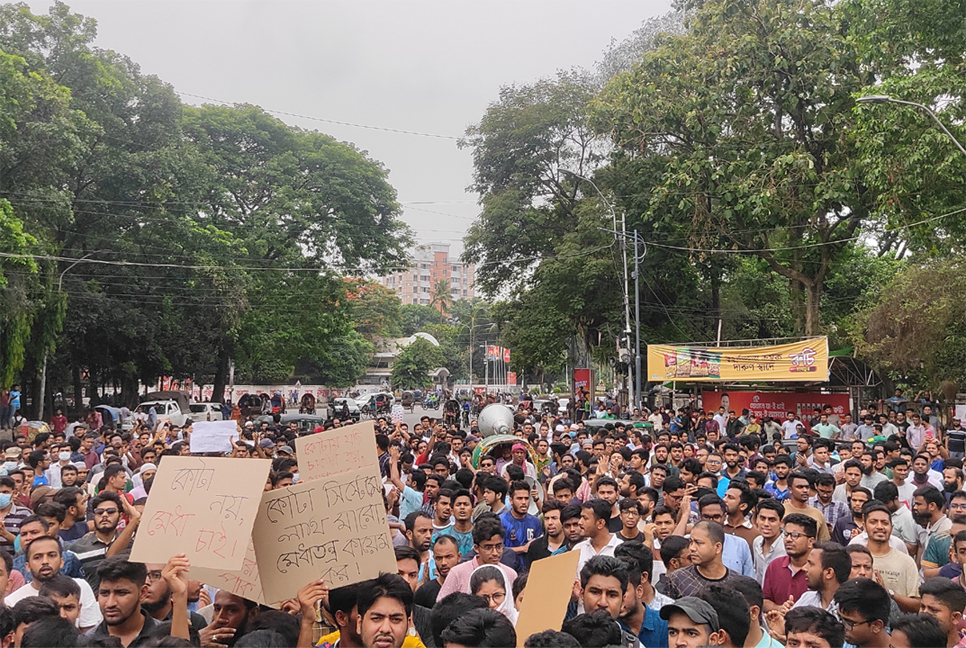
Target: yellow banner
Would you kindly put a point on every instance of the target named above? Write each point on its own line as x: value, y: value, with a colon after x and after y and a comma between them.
x: 805, y: 361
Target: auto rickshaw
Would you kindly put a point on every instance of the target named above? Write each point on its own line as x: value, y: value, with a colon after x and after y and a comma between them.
x: 490, y: 443
x: 307, y: 405
x: 408, y: 401
x: 451, y: 412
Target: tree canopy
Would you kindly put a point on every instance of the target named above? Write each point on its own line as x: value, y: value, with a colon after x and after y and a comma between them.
x: 768, y: 202
x: 170, y: 239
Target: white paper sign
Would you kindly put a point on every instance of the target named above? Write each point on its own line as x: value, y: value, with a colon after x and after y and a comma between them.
x: 213, y: 436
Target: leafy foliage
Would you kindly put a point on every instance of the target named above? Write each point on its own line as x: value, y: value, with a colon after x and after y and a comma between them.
x: 206, y: 233
x: 412, y: 366
x: 373, y: 309
x: 918, y: 328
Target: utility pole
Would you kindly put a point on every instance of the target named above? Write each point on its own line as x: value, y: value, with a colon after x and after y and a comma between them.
x: 637, y: 321
x: 625, y: 286
x: 43, y: 371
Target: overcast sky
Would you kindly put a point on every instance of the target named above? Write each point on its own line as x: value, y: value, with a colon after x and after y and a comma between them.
x: 430, y: 67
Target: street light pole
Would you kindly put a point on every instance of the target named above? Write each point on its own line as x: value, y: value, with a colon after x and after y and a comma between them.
x: 623, y: 244
x: 43, y: 371
x: 879, y: 99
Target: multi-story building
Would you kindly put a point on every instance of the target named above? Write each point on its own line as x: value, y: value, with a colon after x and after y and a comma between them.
x: 431, y: 263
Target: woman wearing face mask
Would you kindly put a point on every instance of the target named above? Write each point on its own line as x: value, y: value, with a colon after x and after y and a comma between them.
x: 491, y: 584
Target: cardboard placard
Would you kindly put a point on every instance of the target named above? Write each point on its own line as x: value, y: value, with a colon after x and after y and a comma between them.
x: 242, y: 582
x: 336, y: 451
x: 549, y: 585
x: 333, y: 528
x: 203, y: 507
x: 213, y: 436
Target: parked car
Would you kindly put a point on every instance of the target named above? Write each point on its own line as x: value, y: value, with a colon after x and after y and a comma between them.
x: 206, y: 412
x: 168, y: 405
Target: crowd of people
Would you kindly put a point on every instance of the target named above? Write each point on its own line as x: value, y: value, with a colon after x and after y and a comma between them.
x: 692, y: 528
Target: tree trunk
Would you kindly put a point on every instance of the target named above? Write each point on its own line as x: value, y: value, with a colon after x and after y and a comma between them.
x: 221, y: 377
x: 813, y: 297
x: 34, y: 390
x: 92, y: 388
x: 75, y: 375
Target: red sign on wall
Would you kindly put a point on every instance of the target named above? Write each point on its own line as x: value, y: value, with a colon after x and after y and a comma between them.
x: 774, y: 404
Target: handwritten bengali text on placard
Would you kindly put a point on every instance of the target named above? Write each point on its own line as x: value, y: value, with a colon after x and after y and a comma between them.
x: 203, y: 507
x: 333, y: 528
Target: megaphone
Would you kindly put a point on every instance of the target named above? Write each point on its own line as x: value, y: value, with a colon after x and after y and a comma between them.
x: 495, y: 419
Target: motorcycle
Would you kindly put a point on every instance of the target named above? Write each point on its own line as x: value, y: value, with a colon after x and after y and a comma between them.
x: 431, y: 403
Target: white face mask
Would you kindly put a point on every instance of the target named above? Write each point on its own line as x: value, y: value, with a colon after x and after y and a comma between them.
x: 10, y: 466
x: 64, y: 456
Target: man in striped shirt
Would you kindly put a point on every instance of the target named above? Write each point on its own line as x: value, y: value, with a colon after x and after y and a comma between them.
x: 105, y: 541
x: 11, y: 513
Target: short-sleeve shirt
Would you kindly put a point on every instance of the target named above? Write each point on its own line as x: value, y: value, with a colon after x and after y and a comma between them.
x: 780, y: 583
x: 937, y: 551
x: 688, y: 581
x: 92, y: 551
x: 410, y: 501
x: 957, y: 439
x: 464, y: 540
x: 12, y: 522
x: 825, y: 431
x: 898, y: 572
x: 520, y: 531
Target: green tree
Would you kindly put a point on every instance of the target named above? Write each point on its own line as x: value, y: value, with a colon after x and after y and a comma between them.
x: 440, y: 298
x: 917, y: 327
x: 522, y: 148
x: 412, y: 366
x: 374, y: 309
x: 345, y: 361
x: 740, y: 129
x: 415, y: 318
x: 912, y: 52
x: 17, y: 312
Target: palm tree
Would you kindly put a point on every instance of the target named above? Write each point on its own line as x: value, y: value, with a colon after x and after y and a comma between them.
x: 440, y: 297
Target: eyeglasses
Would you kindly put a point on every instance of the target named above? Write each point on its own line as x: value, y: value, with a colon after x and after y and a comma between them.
x: 103, y: 511
x: 492, y: 547
x: 795, y: 535
x: 154, y: 576
x: 849, y: 623
x: 493, y: 598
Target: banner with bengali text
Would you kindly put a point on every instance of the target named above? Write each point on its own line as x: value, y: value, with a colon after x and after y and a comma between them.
x: 804, y: 361
x: 776, y: 404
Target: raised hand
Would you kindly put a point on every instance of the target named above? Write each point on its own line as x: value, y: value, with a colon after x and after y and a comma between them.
x: 310, y: 595
x: 174, y: 574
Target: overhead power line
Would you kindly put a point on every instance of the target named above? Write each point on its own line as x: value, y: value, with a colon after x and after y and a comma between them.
x: 330, y: 121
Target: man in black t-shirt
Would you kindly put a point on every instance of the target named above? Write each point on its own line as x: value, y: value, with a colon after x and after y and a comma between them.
x: 446, y: 555
x: 631, y: 513
x: 554, y: 541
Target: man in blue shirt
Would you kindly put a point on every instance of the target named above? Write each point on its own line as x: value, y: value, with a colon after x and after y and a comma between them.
x: 14, y: 404
x: 641, y: 620
x: 521, y: 527
x: 642, y: 602
x: 735, y: 552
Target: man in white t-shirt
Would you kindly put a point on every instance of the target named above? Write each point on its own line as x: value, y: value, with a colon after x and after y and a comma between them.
x: 790, y: 426
x: 44, y: 561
